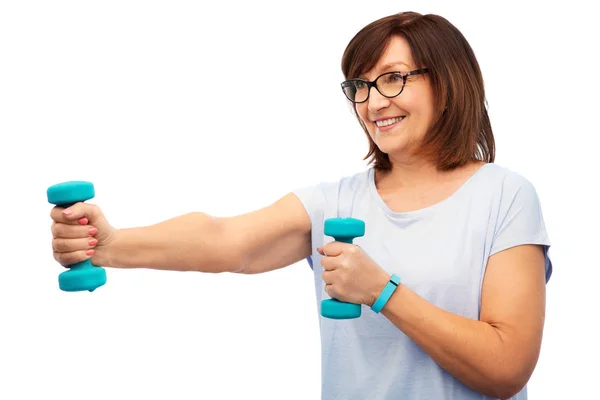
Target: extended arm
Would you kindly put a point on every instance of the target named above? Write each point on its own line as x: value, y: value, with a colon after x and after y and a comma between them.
x: 266, y: 239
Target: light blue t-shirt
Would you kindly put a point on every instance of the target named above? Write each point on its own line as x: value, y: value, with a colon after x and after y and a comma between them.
x: 440, y: 252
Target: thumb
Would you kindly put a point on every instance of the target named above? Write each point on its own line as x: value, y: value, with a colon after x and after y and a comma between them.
x: 79, y: 211
x: 332, y: 249
x: 89, y: 214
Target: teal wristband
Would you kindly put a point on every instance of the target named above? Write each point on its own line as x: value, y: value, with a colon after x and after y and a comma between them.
x: 386, y: 293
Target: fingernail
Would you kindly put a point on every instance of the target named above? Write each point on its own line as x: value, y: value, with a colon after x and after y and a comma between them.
x: 93, y: 231
x: 93, y: 242
x: 67, y: 211
x: 90, y: 252
x: 83, y: 221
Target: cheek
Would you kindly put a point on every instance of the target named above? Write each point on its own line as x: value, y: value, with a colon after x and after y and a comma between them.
x: 422, y: 104
x: 363, y: 113
x: 419, y: 110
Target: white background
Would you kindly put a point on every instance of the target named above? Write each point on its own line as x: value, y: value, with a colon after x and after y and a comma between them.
x: 170, y: 107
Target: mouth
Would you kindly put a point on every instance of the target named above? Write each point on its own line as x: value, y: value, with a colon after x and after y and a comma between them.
x: 388, y: 123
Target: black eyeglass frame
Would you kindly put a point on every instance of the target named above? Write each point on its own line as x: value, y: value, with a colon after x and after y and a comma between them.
x: 373, y: 83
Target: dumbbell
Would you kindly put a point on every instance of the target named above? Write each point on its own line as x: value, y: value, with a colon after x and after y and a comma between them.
x: 342, y: 230
x: 82, y: 275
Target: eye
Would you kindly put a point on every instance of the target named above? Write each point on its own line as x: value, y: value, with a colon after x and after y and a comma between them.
x: 393, y: 78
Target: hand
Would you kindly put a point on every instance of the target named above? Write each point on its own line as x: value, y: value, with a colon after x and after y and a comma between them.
x: 350, y: 275
x: 79, y: 232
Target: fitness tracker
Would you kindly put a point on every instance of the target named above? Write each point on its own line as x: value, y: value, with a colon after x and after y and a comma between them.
x: 386, y: 293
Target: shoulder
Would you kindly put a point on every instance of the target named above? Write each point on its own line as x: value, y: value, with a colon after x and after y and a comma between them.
x: 502, y: 174
x: 518, y: 213
x: 332, y: 187
x: 517, y: 207
x: 320, y: 197
x: 505, y: 182
x: 508, y: 198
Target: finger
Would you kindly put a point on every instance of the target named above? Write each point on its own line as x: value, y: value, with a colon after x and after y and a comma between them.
x: 67, y: 259
x: 57, y: 216
x: 329, y: 264
x: 333, y: 249
x: 75, y: 213
x: 61, y: 245
x: 330, y: 291
x: 327, y: 277
x: 68, y: 231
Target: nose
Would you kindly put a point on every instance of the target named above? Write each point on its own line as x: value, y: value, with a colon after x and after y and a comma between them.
x: 376, y: 101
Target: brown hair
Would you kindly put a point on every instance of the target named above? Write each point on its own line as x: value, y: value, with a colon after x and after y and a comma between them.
x: 461, y: 130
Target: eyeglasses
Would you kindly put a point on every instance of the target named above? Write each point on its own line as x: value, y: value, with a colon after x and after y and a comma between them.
x: 390, y: 84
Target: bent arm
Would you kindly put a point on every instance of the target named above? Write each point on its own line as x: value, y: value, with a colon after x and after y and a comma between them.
x: 262, y: 240
x: 496, y: 354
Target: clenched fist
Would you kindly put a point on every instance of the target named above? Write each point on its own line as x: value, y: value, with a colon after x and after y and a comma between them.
x: 79, y: 232
x: 350, y: 275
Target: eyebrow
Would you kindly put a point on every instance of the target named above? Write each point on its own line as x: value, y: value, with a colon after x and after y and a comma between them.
x: 389, y: 66
x: 393, y: 64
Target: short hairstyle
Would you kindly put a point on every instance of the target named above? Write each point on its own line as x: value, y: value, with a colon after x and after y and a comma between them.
x: 461, y: 130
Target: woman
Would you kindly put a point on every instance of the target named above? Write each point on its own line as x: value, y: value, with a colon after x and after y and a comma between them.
x: 459, y: 242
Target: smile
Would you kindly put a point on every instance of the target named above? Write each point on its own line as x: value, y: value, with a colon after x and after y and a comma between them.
x: 388, y: 123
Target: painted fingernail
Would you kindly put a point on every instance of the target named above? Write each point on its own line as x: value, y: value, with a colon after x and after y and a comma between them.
x: 93, y: 231
x: 83, y: 221
x: 90, y: 252
x: 93, y: 242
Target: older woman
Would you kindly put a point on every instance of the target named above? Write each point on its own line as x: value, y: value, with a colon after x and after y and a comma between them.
x: 451, y: 271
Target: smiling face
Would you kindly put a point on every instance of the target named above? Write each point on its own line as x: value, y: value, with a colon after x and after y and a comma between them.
x: 397, y: 125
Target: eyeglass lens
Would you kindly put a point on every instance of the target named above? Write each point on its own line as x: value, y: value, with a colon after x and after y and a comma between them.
x: 389, y: 85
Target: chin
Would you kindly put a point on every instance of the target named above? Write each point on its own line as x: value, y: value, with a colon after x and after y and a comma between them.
x: 391, y: 145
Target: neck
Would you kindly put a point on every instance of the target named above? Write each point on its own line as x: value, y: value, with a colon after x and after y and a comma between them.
x: 409, y: 175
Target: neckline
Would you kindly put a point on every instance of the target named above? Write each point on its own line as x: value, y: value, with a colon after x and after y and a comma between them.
x: 426, y: 210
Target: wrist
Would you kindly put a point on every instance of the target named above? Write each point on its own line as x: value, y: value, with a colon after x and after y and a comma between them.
x: 382, y: 281
x: 386, y: 293
x: 104, y: 253
x: 100, y: 257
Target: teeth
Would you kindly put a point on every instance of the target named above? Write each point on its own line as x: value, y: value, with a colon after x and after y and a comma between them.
x: 387, y: 122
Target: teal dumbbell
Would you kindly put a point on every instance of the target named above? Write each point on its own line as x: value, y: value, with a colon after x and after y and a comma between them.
x: 342, y: 230
x: 83, y: 275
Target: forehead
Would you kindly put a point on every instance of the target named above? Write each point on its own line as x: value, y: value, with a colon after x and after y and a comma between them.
x: 397, y: 56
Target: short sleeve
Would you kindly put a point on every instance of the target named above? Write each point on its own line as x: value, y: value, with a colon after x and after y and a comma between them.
x: 314, y: 199
x: 520, y: 220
